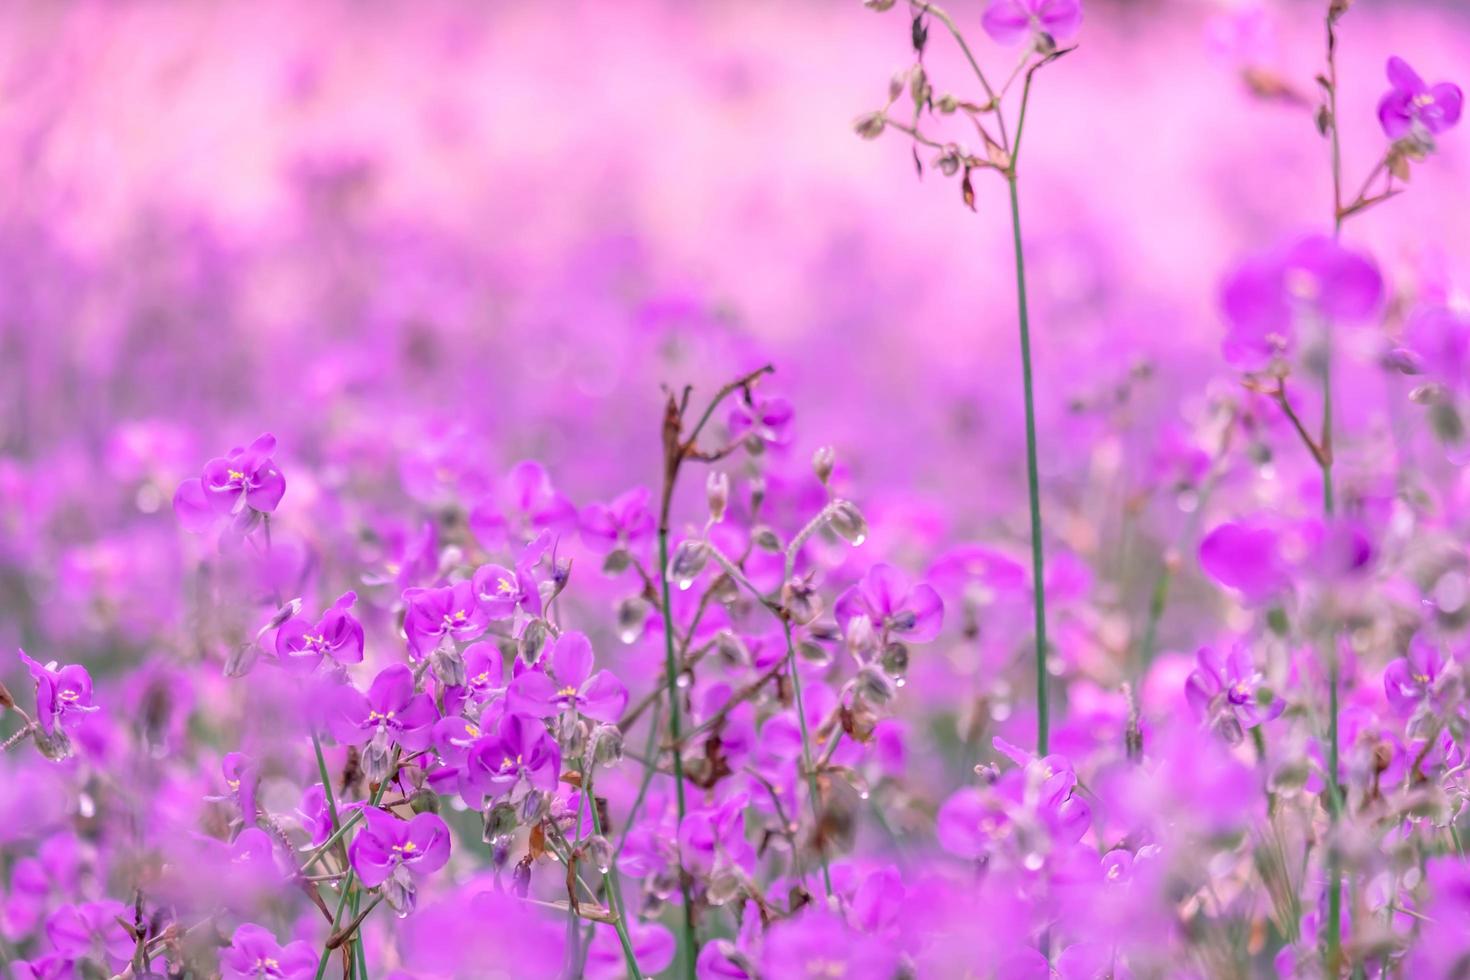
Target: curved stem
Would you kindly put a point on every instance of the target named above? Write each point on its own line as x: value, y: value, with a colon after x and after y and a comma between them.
x: 676, y: 726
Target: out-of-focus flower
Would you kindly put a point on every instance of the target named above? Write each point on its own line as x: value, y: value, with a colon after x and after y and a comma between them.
x: 246, y: 479
x: 763, y: 420
x: 1413, y: 679
x: 1412, y: 107
x: 1231, y: 693
x: 1271, y: 293
x: 891, y: 606
x: 254, y: 954
x: 625, y: 522
x: 1009, y: 21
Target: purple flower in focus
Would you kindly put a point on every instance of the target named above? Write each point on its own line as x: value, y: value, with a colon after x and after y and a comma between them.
x: 242, y: 776
x: 1412, y: 107
x: 243, y: 484
x: 1009, y: 21
x: 1410, y: 680
x: 438, y: 619
x: 891, y: 606
x: 1231, y: 694
x: 398, y: 853
x: 254, y: 954
x: 301, y: 645
x: 1270, y: 293
x: 568, y: 684
x: 497, y: 764
x: 62, y: 694
x: 502, y: 592
x: 389, y: 715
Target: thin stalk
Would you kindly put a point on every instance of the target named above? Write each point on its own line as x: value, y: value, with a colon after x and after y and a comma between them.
x: 349, y: 881
x: 676, y: 728
x: 1334, y: 810
x: 614, y: 888
x: 1033, y: 481
x: 806, y: 753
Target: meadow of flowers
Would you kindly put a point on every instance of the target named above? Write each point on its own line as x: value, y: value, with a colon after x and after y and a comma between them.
x: 674, y: 490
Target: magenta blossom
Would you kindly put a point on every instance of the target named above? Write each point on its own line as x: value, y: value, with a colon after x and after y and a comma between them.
x: 1270, y: 293
x: 521, y: 750
x: 246, y: 482
x: 1009, y: 21
x: 528, y: 504
x: 62, y: 694
x: 1231, y: 694
x: 1024, y: 812
x: 398, y: 853
x: 819, y: 944
x: 389, y: 715
x: 763, y: 420
x: 301, y: 645
x: 254, y: 954
x: 568, y: 684
x: 1245, y: 557
x: 314, y: 814
x: 501, y: 591
x: 891, y: 606
x: 1412, y: 107
x: 90, y: 929
x: 624, y: 523
x: 1411, y: 680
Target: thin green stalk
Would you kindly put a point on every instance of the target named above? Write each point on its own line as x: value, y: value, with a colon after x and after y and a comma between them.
x: 614, y: 887
x: 676, y: 730
x: 350, y: 880
x: 1033, y: 481
x: 806, y: 752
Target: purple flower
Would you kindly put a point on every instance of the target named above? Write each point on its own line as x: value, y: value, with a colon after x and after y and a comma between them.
x: 35, y: 881
x: 497, y: 764
x: 90, y: 930
x: 766, y: 420
x: 653, y: 948
x: 1270, y: 293
x: 254, y: 954
x: 885, y: 598
x: 623, y: 523
x: 1029, y: 810
x: 1245, y: 557
x: 301, y: 645
x: 439, y: 617
x: 242, y: 776
x: 390, y: 714
x: 1412, y: 107
x: 246, y: 479
x: 315, y: 815
x: 1230, y: 694
x: 1009, y: 21
x: 501, y: 591
x: 1410, y: 680
x: 817, y: 944
x: 61, y: 695
x: 398, y: 853
x: 714, y: 837
x: 568, y: 684
x: 529, y: 504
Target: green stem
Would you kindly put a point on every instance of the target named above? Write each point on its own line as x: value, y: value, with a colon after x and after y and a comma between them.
x: 676, y: 732
x: 614, y: 886
x: 806, y: 753
x: 1033, y: 481
x: 349, y: 881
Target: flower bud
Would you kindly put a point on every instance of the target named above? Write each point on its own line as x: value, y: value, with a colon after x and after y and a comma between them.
x: 848, y: 522
x: 424, y: 800
x: 822, y: 462
x: 765, y: 538
x: 725, y: 885
x: 533, y: 641
x: 688, y: 561
x: 801, y: 600
x: 874, y: 686
x: 597, y: 850
x: 498, y: 821
x: 632, y: 612
x: 717, y: 491
x: 896, y: 84
x: 879, y: 5
x: 284, y: 613
x: 616, y: 561
x: 731, y: 649
x: 869, y: 126
x: 896, y: 661
x: 607, y: 745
